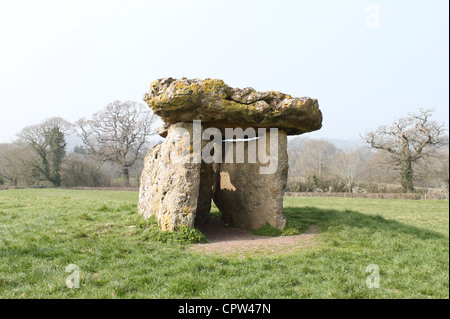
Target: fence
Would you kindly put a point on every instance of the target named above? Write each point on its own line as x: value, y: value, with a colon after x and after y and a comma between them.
x: 415, y: 196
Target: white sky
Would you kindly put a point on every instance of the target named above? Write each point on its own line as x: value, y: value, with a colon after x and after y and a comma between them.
x: 71, y: 58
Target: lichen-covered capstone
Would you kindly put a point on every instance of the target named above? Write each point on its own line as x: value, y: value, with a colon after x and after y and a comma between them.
x: 212, y: 101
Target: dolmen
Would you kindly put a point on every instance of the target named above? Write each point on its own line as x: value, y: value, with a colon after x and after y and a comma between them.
x: 221, y: 144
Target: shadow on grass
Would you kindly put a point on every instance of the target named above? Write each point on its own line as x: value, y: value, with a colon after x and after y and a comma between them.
x: 329, y: 219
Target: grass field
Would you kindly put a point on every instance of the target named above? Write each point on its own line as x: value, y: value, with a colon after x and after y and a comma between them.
x: 121, y: 256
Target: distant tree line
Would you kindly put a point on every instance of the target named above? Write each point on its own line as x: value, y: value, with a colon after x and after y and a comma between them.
x: 115, y: 141
x: 412, y: 152
x: 407, y: 156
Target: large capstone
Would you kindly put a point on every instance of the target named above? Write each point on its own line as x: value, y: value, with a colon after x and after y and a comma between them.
x: 212, y: 101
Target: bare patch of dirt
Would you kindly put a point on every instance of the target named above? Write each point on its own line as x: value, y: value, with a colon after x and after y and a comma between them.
x: 225, y: 240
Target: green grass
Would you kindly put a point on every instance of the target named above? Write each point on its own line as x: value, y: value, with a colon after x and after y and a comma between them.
x: 120, y: 255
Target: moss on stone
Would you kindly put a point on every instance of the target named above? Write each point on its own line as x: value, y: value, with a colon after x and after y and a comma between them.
x: 216, y: 88
x: 212, y: 100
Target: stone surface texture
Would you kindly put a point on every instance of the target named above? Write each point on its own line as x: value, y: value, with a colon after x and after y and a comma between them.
x: 211, y: 100
x: 248, y: 199
x: 170, y: 184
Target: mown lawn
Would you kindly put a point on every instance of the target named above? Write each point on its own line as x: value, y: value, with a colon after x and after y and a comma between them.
x: 121, y: 256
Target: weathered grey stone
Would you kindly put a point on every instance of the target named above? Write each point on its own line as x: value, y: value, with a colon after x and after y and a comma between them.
x: 162, y: 130
x: 173, y: 188
x: 247, y: 198
x: 169, y: 187
x: 214, y: 102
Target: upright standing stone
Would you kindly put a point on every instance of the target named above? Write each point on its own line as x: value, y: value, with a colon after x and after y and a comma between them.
x: 249, y: 199
x: 174, y: 188
x: 170, y: 183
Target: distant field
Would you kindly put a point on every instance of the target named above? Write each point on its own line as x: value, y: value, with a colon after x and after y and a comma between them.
x: 120, y: 255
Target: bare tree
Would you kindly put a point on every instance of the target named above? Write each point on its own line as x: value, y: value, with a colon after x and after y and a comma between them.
x: 317, y: 157
x: 118, y: 133
x: 47, y: 140
x: 8, y: 169
x: 433, y: 171
x: 407, y: 140
x: 378, y: 170
x: 311, y: 160
x: 350, y: 164
x: 82, y: 170
x: 443, y: 170
x: 16, y: 163
x: 295, y: 147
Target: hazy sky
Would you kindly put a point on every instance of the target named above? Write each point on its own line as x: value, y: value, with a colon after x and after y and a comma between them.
x: 366, y: 62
